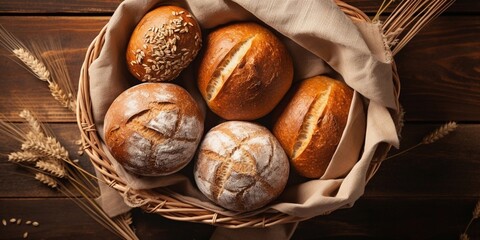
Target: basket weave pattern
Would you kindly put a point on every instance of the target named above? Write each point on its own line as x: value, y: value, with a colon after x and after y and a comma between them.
x: 164, y: 201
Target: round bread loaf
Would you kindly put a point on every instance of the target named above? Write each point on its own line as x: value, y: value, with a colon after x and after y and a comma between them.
x: 153, y: 129
x: 244, y: 72
x: 163, y: 43
x: 241, y: 166
x: 312, y: 123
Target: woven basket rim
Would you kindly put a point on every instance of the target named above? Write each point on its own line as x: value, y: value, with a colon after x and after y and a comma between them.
x: 165, y: 203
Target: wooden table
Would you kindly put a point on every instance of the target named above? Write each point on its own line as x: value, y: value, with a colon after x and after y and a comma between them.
x: 428, y: 193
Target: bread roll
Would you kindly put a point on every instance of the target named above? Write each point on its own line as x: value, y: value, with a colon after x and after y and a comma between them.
x: 241, y: 166
x: 244, y: 72
x: 163, y: 43
x: 311, y: 125
x: 153, y: 129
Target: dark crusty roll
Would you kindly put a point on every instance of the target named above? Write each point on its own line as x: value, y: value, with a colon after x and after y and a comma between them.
x: 312, y: 123
x: 245, y: 71
x: 241, y: 166
x: 153, y: 129
x: 163, y: 43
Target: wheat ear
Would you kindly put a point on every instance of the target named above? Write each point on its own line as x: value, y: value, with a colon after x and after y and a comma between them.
x: 45, y: 179
x: 23, y: 156
x: 476, y: 211
x: 475, y: 215
x: 464, y: 236
x: 57, y: 92
x: 51, y: 147
x: 54, y: 167
x: 440, y: 133
x: 36, y: 66
x: 34, y: 124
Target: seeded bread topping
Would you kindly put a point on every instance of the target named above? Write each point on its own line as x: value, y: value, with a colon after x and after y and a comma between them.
x: 164, y: 43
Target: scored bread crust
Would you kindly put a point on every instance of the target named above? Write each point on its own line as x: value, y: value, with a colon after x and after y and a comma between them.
x: 162, y: 44
x: 241, y: 166
x: 255, y: 82
x: 312, y: 123
x: 153, y: 129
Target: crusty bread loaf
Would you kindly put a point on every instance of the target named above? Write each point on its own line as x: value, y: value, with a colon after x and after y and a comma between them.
x: 163, y: 43
x: 312, y: 122
x: 245, y: 71
x: 241, y: 166
x: 153, y: 129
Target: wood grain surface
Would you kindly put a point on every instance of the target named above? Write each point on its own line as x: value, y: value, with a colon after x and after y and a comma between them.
x: 108, y: 6
x: 428, y: 193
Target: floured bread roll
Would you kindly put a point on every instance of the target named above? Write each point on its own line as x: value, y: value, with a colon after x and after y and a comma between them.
x: 241, y: 166
x: 312, y: 123
x: 153, y: 129
x: 245, y: 71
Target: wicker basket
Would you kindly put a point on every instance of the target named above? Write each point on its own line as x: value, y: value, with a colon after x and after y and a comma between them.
x: 164, y: 201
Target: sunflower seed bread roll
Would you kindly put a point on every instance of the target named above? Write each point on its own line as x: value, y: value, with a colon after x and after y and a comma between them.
x: 241, y: 166
x: 244, y: 72
x: 312, y: 123
x: 163, y: 43
x: 153, y: 129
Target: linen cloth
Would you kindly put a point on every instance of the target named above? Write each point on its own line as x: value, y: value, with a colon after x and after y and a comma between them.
x: 321, y: 40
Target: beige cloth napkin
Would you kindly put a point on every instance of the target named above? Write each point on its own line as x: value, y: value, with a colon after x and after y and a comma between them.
x: 322, y: 40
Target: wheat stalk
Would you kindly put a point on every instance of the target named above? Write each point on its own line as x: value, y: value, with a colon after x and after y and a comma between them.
x: 432, y: 137
x: 382, y: 9
x: 44, y: 65
x: 60, y: 83
x: 50, y: 156
x: 408, y: 18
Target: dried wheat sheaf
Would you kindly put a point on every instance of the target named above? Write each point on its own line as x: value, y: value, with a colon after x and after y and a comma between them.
x: 43, y: 155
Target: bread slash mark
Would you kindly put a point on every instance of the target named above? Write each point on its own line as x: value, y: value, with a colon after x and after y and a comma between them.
x: 227, y: 66
x: 310, y: 122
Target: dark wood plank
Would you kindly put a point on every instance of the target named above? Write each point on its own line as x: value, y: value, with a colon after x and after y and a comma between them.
x: 447, y: 168
x: 108, y: 6
x: 440, y: 71
x: 368, y: 219
x: 63, y: 219
x: 59, y: 6
x: 58, y: 218
x: 24, y: 90
x: 393, y: 219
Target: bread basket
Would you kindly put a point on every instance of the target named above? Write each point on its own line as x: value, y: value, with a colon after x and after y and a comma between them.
x: 165, y: 201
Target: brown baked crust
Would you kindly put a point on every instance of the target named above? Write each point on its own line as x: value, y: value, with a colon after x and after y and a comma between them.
x: 163, y: 43
x: 312, y: 123
x: 241, y: 166
x: 260, y: 78
x: 153, y: 129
